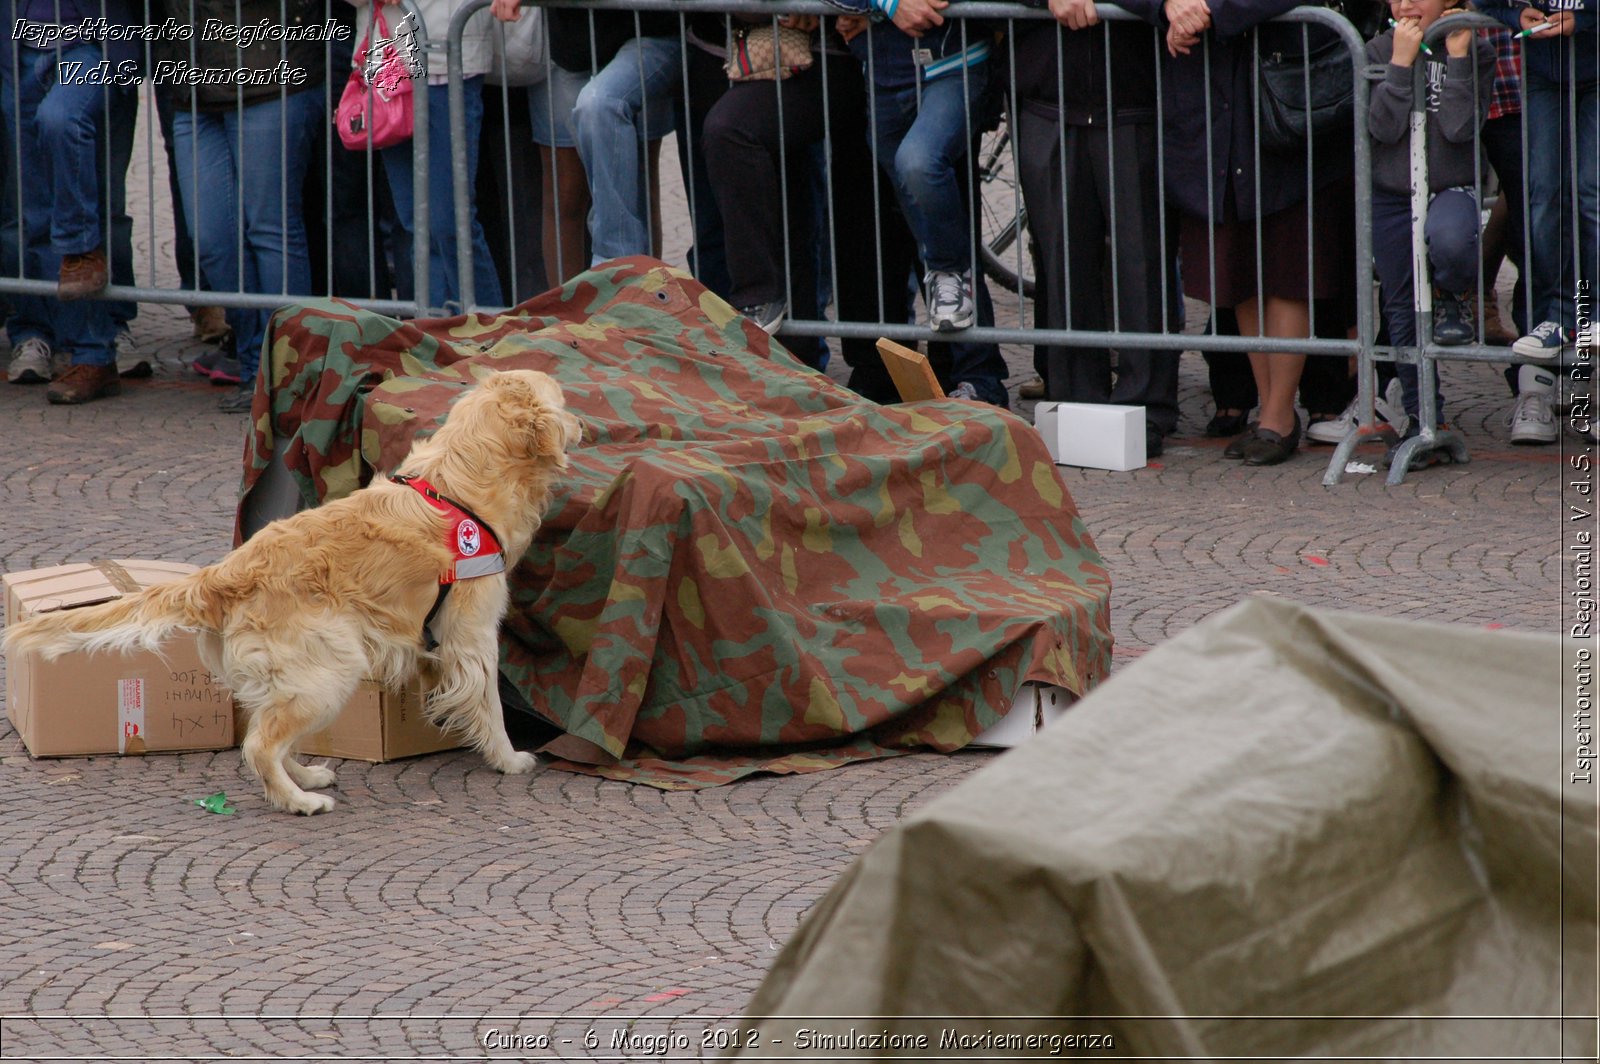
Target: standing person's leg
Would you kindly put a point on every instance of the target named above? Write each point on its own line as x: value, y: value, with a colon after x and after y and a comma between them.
x: 707, y: 81
x: 1451, y: 235
x: 70, y: 117
x: 1129, y: 185
x: 1502, y: 143
x: 207, y: 186
x: 611, y: 140
x: 1586, y: 154
x: 1549, y: 224
x: 118, y: 131
x: 32, y: 326
x: 1391, y: 258
x: 564, y: 186
x: 743, y: 153
x: 441, y: 192
x: 274, y: 140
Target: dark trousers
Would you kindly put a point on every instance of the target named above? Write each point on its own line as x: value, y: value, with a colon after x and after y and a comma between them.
x: 1502, y: 143
x: 1113, y: 179
x: 1451, y: 232
x: 772, y: 257
x: 706, y: 82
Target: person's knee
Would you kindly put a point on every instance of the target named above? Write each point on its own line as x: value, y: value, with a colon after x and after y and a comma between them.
x: 920, y: 165
x: 62, y: 116
x: 599, y: 110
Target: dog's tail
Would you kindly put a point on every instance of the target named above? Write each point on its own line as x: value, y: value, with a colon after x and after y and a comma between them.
x: 137, y: 622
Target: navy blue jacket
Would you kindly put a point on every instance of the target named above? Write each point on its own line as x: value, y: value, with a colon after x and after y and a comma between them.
x: 1230, y: 100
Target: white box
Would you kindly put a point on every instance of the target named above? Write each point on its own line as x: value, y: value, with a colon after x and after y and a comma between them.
x: 1036, y: 705
x: 1095, y: 435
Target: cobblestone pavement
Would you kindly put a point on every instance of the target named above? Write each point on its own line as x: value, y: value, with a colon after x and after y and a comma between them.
x: 440, y: 901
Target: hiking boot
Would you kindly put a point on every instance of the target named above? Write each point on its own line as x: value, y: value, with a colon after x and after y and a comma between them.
x: 82, y: 383
x: 30, y: 362
x: 767, y: 316
x: 949, y: 296
x: 130, y: 362
x: 1533, y: 420
x: 82, y: 275
x: 1452, y: 318
x: 210, y: 324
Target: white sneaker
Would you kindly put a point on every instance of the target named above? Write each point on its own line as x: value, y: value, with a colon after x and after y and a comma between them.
x: 949, y: 296
x: 130, y: 362
x: 1334, y: 430
x: 964, y: 390
x: 1391, y: 406
x: 1532, y: 419
x: 30, y: 363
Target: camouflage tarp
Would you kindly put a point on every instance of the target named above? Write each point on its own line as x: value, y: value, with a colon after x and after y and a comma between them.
x: 749, y: 568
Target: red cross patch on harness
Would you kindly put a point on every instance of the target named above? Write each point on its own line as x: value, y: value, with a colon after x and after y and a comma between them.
x: 476, y: 549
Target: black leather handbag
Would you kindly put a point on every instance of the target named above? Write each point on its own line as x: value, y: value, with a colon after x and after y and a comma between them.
x: 1288, y: 114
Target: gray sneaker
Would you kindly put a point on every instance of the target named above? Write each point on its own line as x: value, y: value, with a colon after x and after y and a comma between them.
x: 30, y: 363
x: 130, y: 362
x: 949, y: 296
x: 767, y: 316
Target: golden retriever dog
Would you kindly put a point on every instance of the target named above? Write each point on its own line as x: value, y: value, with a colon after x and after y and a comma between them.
x: 299, y: 614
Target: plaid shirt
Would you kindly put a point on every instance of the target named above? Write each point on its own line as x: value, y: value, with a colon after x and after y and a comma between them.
x: 1505, y: 96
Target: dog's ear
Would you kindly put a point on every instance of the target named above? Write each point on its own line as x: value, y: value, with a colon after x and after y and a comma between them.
x: 553, y: 432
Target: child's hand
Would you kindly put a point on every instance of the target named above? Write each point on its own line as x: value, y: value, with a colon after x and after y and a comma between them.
x: 1531, y: 17
x: 803, y: 23
x: 1075, y: 14
x: 1566, y: 23
x: 506, y: 10
x: 1407, y: 41
x: 1458, y: 43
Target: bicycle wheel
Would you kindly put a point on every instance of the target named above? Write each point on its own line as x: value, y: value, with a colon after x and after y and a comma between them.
x: 1003, y: 251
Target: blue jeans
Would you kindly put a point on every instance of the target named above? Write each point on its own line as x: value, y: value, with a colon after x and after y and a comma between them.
x: 248, y: 167
x: 1451, y: 233
x: 1552, y: 150
x: 920, y: 147
x: 56, y: 126
x: 611, y: 142
x: 444, y: 276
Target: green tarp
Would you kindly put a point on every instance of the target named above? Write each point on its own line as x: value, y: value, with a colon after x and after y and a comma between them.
x: 1286, y: 833
x: 749, y: 568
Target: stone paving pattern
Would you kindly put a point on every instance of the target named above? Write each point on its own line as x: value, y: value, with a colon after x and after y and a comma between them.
x: 439, y: 895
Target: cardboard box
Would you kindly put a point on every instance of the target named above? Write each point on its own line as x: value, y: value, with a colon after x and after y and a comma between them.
x: 1095, y: 435
x: 82, y: 704
x: 379, y: 724
x: 1036, y: 705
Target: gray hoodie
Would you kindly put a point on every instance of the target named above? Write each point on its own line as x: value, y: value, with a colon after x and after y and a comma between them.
x: 1455, y: 114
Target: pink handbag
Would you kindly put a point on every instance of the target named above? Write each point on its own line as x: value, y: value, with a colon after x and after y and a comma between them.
x: 379, y: 114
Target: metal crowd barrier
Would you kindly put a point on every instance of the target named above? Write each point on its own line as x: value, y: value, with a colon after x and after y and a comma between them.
x: 1003, y: 252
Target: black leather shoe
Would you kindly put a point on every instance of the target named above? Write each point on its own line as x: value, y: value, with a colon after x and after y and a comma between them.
x: 1271, y: 448
x: 1153, y: 443
x: 1227, y: 424
x: 1236, y: 448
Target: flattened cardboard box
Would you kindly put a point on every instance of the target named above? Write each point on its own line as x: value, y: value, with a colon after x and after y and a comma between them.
x: 379, y: 724
x: 83, y: 704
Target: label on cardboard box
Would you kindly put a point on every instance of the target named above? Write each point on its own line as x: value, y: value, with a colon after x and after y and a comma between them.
x: 108, y: 703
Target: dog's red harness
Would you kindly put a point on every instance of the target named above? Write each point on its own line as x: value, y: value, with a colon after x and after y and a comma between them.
x: 476, y: 548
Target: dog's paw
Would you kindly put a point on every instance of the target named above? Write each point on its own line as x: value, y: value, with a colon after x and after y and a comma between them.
x: 310, y: 804
x: 316, y: 777
x: 518, y: 763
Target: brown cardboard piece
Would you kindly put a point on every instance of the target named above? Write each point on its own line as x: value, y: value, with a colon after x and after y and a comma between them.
x: 84, y: 704
x: 380, y: 724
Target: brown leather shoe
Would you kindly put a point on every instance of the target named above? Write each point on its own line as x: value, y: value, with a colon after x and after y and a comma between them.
x: 210, y: 326
x: 81, y: 383
x: 82, y: 275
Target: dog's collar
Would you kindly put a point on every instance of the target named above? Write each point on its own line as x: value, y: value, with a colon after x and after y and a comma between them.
x: 476, y: 548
